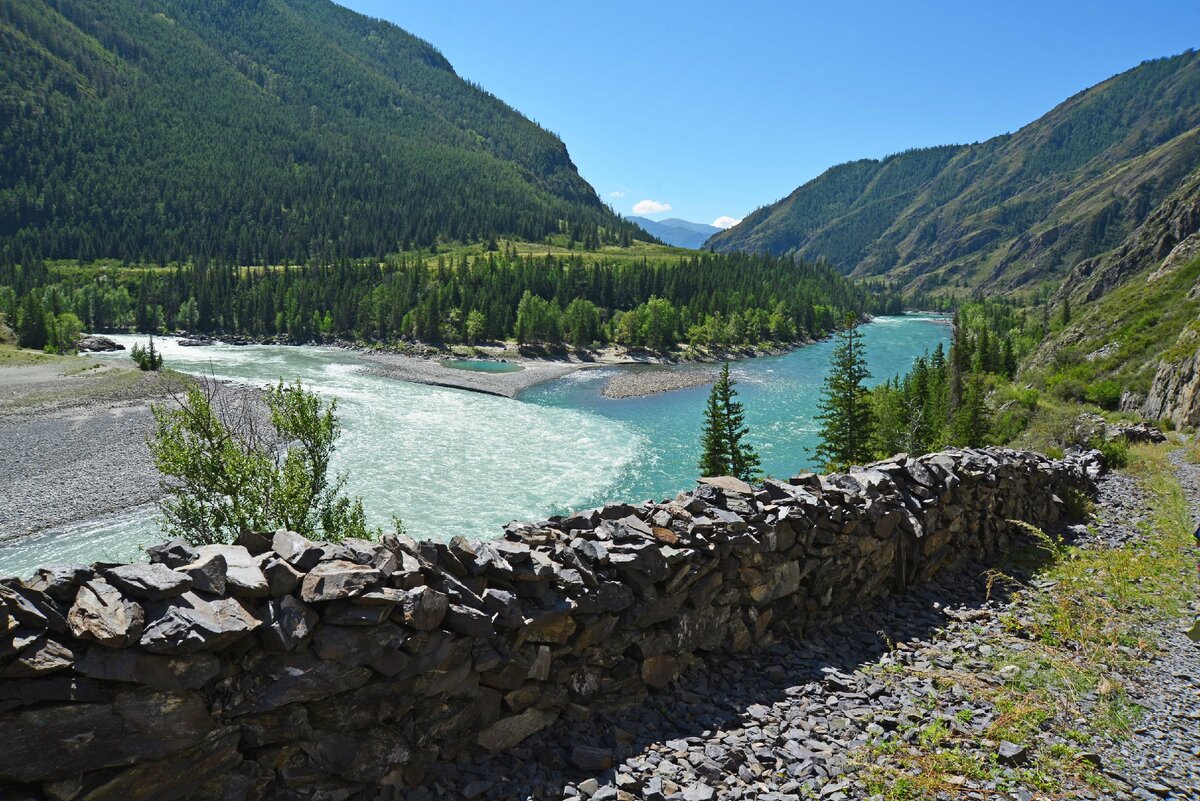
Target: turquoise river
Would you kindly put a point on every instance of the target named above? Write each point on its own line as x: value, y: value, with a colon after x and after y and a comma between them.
x: 454, y: 462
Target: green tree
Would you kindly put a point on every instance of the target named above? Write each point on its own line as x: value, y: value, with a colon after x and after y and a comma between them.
x: 226, y: 474
x: 65, y: 330
x: 148, y: 358
x: 725, y: 451
x: 31, y: 328
x: 845, y: 405
x: 972, y: 422
x: 476, y: 325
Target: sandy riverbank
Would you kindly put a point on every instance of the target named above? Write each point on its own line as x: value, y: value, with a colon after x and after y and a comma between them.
x: 434, y: 373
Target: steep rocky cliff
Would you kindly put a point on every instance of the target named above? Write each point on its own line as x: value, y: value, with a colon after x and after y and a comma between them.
x: 1175, y: 393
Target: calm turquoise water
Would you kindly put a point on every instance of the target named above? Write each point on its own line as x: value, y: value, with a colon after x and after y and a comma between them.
x: 453, y: 462
x: 478, y: 366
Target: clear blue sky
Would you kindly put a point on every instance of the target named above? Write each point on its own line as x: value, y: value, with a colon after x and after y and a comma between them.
x: 718, y: 108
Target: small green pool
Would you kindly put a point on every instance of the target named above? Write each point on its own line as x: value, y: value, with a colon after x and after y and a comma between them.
x: 479, y: 366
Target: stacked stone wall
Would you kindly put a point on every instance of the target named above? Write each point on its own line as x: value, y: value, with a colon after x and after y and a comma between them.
x: 283, y: 668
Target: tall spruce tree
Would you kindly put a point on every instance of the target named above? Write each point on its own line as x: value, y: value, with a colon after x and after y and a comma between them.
x: 845, y: 406
x: 725, y: 450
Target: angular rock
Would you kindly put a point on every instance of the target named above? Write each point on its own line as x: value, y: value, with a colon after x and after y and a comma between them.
x: 41, y: 656
x: 468, y: 621
x: 1012, y: 754
x: 727, y: 483
x: 243, y: 577
x: 282, y: 578
x: 291, y: 678
x: 298, y: 551
x: 174, y: 553
x: 508, y: 732
x: 425, y: 608
x: 103, y: 615
x: 60, y: 582
x: 158, y: 671
x: 333, y: 581
x: 154, y: 582
x: 207, y: 574
x: 189, y: 623
x: 287, y: 624
x: 57, y: 742
x: 175, y: 776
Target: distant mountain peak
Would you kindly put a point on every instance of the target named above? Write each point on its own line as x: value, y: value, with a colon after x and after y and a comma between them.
x: 677, y: 232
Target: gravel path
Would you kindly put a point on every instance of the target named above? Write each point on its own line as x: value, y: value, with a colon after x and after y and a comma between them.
x: 792, y: 721
x: 1163, y: 759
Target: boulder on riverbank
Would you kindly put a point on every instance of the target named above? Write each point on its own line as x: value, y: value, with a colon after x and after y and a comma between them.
x: 94, y: 343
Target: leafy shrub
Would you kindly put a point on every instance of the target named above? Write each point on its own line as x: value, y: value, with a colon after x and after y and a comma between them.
x: 228, y: 476
x: 1077, y: 505
x: 1105, y: 394
x: 1116, y: 451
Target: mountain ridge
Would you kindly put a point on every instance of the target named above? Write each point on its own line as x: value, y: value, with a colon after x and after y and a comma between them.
x: 260, y: 131
x: 677, y: 232
x: 993, y: 215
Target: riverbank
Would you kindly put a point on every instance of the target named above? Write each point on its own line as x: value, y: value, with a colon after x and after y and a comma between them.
x: 654, y: 374
x: 73, y: 438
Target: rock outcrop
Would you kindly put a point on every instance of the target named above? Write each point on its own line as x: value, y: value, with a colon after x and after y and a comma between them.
x: 1175, y: 393
x: 300, y: 670
x: 98, y: 344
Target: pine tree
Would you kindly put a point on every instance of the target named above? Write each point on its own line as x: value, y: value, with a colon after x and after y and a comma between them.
x: 31, y: 330
x: 845, y: 405
x: 972, y: 422
x: 725, y: 450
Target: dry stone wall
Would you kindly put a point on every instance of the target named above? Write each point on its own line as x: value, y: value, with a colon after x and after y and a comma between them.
x: 283, y: 668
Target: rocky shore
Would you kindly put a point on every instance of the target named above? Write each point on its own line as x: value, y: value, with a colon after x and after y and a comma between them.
x: 637, y: 382
x: 73, y: 438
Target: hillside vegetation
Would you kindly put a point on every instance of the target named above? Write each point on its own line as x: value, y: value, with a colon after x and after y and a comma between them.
x: 647, y: 297
x: 259, y: 131
x: 1007, y: 214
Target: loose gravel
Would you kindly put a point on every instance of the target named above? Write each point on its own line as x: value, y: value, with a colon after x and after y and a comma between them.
x: 638, y: 382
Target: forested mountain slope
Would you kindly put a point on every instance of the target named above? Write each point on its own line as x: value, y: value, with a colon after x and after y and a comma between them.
x: 258, y: 131
x: 1007, y: 213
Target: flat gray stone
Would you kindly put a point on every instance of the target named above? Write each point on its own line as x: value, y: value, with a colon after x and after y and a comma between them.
x: 154, y: 582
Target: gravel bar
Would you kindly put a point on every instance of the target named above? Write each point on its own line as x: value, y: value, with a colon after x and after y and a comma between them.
x: 639, y: 382
x: 434, y: 373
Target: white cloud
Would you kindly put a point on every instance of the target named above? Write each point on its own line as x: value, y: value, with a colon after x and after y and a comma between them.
x: 617, y: 193
x: 725, y: 222
x: 650, y: 207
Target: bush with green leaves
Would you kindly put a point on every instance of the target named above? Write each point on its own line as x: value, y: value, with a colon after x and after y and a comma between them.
x: 229, y: 473
x: 1116, y: 451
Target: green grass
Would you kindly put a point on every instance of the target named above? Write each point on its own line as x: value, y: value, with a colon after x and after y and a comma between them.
x: 1083, y: 629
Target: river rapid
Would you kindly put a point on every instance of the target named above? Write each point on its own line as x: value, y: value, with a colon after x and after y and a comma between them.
x: 452, y: 462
